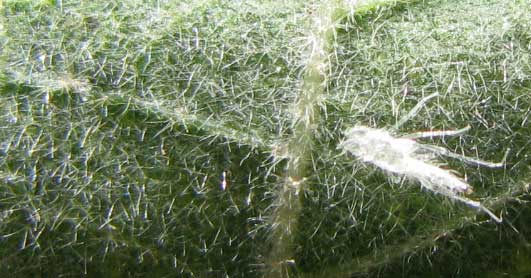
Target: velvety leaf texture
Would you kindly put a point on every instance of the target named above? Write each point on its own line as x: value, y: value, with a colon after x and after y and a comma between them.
x: 264, y: 138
